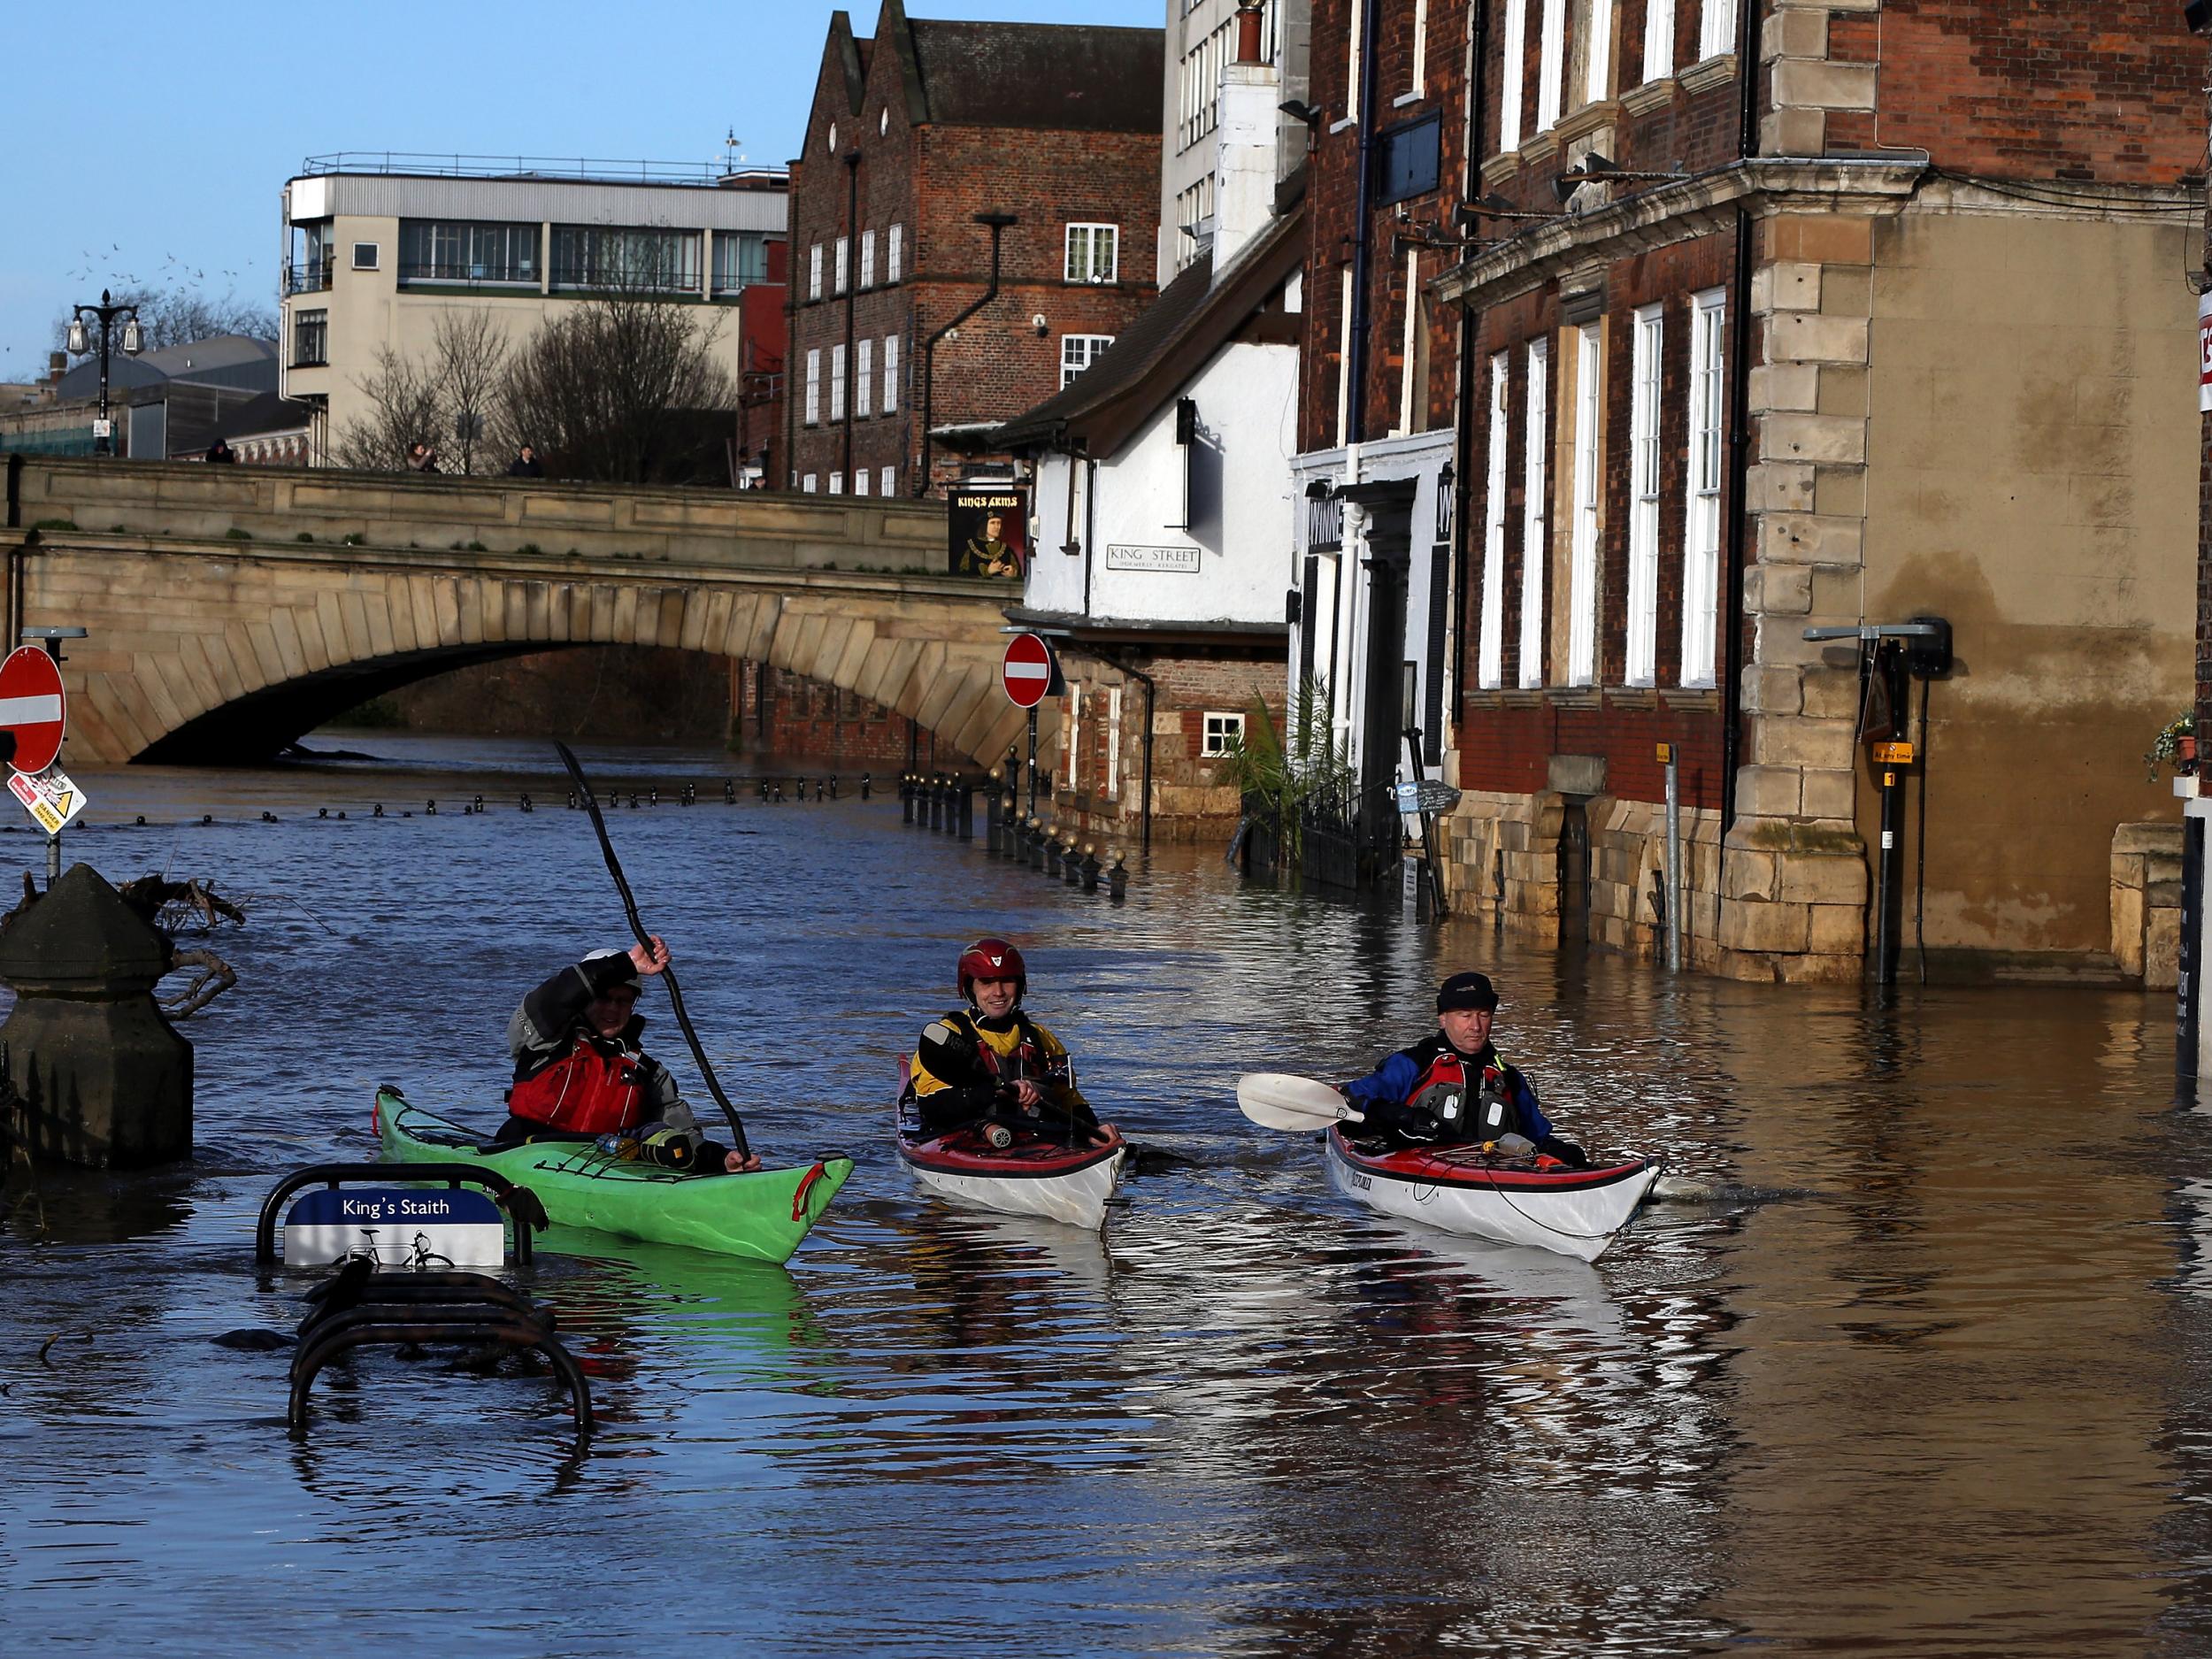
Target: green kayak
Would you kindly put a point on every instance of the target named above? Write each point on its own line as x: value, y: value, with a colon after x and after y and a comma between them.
x: 763, y: 1216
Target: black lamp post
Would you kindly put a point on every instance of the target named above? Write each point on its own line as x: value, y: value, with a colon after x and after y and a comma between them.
x: 80, y: 342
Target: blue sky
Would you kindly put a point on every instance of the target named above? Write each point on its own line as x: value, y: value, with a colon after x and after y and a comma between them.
x: 152, y: 140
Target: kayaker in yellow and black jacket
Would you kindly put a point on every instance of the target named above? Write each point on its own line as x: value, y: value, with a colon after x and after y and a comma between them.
x: 1453, y: 1089
x: 989, y: 1064
x: 581, y: 1073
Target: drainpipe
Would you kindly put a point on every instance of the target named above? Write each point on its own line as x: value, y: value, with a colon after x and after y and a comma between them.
x: 15, y: 522
x: 998, y: 222
x: 1463, y: 448
x: 791, y: 360
x: 1356, y: 348
x: 852, y: 292
x: 1740, y: 431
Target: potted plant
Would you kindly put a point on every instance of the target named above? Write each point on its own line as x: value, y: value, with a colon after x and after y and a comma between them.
x: 2176, y: 745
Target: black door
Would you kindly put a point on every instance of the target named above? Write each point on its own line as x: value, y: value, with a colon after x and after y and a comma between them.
x: 1574, y: 876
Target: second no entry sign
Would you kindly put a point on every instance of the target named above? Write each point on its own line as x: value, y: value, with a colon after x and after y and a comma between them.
x: 1027, y: 671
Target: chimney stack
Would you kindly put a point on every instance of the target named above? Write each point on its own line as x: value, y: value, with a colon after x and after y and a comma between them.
x: 1244, y: 145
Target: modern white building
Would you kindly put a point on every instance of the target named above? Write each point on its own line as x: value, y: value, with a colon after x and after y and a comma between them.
x: 1201, y: 42
x: 378, y: 247
x: 1163, y: 508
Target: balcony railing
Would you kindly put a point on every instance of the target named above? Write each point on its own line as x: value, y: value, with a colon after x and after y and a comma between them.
x: 306, y: 279
x: 452, y: 274
x: 422, y: 165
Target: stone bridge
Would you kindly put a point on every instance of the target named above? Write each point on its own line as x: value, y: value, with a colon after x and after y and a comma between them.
x: 232, y: 609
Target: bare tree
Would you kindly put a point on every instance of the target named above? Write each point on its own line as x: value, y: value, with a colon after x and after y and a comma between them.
x: 468, y: 352
x: 404, y: 407
x: 616, y: 388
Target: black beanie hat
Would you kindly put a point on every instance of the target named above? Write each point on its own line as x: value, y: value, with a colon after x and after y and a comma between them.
x: 1466, y: 990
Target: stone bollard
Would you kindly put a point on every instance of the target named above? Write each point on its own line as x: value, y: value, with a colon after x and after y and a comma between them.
x: 105, y: 1078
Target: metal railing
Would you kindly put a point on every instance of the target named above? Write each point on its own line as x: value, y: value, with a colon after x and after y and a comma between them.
x: 425, y: 165
x: 306, y: 279
x: 455, y: 274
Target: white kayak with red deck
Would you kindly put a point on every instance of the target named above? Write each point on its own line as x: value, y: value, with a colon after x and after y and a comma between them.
x: 1461, y: 1189
x: 1038, y: 1174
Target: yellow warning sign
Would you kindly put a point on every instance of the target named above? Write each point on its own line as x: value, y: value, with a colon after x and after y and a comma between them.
x: 1892, y: 754
x: 48, y: 796
x: 1666, y: 753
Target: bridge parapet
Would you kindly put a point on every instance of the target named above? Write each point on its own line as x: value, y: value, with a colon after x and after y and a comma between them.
x: 758, y: 528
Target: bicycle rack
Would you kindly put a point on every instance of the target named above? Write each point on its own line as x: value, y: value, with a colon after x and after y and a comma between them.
x: 353, y: 1308
x: 520, y: 1204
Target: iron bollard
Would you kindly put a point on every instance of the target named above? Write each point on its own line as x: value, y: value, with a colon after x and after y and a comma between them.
x: 1051, y: 850
x: 1070, y: 863
x: 866, y: 785
x: 906, y: 797
x: 832, y: 786
x: 990, y: 823
x: 1034, y: 844
x: 729, y: 792
x: 764, y: 787
x: 1009, y: 820
x: 1091, y: 868
x: 965, y: 800
x: 1117, y: 880
x: 937, y: 803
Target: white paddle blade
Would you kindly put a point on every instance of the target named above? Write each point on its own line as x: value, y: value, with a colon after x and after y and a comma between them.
x: 1277, y: 1100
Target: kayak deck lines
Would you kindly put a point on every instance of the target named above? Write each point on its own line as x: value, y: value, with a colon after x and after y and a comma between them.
x: 1037, y: 1175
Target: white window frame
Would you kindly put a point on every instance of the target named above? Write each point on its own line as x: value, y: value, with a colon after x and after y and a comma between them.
x: 837, y: 382
x: 1089, y: 348
x: 1551, y: 65
x: 1641, y: 654
x: 863, y: 380
x: 1716, y: 30
x: 894, y: 252
x: 1113, y: 743
x: 814, y: 387
x: 1535, y: 518
x: 867, y: 258
x: 842, y: 262
x: 1083, y: 267
x: 808, y: 483
x: 837, y: 484
x: 887, y: 482
x: 1658, y: 39
x: 1220, y: 727
x: 1588, y: 493
x: 1490, y: 654
x: 814, y: 270
x: 1516, y: 71
x: 1074, y: 744
x: 860, y: 480
x: 1704, y: 468
x: 1420, y: 48
x: 1598, y: 84
x: 890, y: 376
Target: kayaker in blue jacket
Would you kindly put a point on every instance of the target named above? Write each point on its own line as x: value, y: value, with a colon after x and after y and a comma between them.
x: 1453, y: 1089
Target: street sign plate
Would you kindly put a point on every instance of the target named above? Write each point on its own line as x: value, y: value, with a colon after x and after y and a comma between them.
x: 48, y: 796
x: 1892, y: 754
x: 1666, y: 753
x: 31, y: 707
x: 399, y: 1226
x: 1027, y: 671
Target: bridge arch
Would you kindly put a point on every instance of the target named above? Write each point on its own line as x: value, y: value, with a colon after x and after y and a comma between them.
x: 204, y: 653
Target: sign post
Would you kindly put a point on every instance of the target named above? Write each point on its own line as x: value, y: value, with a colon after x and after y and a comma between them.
x: 1670, y: 758
x: 1027, y: 673
x: 33, y: 717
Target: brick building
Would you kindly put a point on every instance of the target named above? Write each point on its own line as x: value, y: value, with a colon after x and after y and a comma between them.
x: 1373, y: 555
x: 1894, y: 329
x: 913, y: 133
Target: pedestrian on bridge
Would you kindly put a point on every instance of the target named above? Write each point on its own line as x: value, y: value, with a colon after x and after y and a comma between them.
x: 526, y: 464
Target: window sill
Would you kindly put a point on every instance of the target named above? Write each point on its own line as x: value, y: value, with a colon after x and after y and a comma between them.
x: 1575, y: 696
x: 1500, y: 170
x: 1344, y: 126
x: 1404, y: 98
x: 1701, y: 698
x: 1632, y: 697
x: 1652, y: 94
x: 1591, y: 118
x: 1712, y: 72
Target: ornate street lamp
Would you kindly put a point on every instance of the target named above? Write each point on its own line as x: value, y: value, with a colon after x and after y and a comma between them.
x: 80, y: 342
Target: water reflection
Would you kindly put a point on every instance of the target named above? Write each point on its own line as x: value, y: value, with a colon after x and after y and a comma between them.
x: 1938, y: 1387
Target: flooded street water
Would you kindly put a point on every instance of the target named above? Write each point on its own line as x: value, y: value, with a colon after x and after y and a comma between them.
x: 1938, y: 1381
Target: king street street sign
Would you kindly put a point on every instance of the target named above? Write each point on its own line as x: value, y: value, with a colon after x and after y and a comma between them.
x: 48, y: 796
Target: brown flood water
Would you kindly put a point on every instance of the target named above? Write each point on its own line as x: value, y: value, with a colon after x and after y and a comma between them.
x: 1932, y: 1381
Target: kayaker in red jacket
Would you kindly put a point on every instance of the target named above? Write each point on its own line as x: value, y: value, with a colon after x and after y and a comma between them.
x: 1453, y: 1089
x: 580, y: 1074
x: 990, y: 1064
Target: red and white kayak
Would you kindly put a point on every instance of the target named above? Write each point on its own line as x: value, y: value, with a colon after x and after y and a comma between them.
x: 1576, y: 1212
x: 1039, y: 1175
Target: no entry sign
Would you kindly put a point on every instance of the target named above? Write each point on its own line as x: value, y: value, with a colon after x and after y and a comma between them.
x: 31, y: 707
x: 1027, y: 671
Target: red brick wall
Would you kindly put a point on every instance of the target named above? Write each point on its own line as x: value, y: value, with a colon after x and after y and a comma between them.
x: 932, y: 181
x: 2103, y: 89
x: 778, y: 713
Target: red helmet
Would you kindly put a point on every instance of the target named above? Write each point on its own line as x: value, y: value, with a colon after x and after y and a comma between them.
x: 993, y: 959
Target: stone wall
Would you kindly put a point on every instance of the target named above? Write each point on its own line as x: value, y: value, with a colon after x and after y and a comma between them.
x: 2147, y: 904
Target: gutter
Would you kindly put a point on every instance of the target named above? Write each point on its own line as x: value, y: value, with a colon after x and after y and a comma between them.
x: 1356, y: 348
x: 998, y: 222
x: 1740, y: 442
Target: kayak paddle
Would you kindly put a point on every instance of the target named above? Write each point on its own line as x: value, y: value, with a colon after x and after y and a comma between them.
x: 1275, y: 1100
x: 629, y: 904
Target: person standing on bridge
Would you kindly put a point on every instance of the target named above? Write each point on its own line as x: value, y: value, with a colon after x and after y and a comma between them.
x: 526, y: 464
x: 581, y: 1074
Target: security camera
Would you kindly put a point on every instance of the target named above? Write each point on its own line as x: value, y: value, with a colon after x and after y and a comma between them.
x: 1038, y: 324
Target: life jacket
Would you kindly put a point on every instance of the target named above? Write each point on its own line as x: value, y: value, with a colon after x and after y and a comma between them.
x: 1029, y: 1058
x: 595, y: 1088
x: 1482, y: 1108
